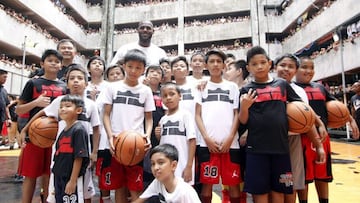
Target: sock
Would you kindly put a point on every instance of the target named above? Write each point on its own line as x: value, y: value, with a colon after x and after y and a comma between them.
x: 321, y: 200
x: 235, y: 199
x: 106, y: 199
x: 206, y: 199
x: 303, y: 201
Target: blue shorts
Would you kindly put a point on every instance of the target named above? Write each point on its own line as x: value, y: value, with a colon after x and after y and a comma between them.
x: 268, y: 172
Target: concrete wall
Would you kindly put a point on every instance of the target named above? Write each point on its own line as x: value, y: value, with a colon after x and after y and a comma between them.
x: 327, y: 21
x: 52, y: 15
x: 17, y: 31
x: 330, y: 64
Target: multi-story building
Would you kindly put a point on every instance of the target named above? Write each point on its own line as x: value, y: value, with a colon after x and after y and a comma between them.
x: 305, y: 27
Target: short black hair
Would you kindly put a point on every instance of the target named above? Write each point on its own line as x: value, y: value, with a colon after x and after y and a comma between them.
x: 2, y: 72
x: 95, y: 58
x: 154, y: 67
x: 198, y: 53
x: 215, y: 52
x: 64, y: 41
x: 50, y: 52
x: 255, y: 51
x: 112, y: 67
x: 168, y: 150
x: 290, y: 56
x: 177, y: 59
x: 230, y: 55
x: 164, y: 60
x: 241, y: 64
x: 169, y: 85
x: 135, y: 55
x: 74, y: 67
x: 77, y: 100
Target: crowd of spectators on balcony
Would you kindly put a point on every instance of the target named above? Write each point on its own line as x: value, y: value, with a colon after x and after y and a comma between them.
x: 221, y: 20
x: 15, y: 63
x: 335, y: 45
x: 164, y: 26
x: 195, y: 22
x: 59, y: 5
x: 142, y: 3
x: 237, y: 45
x: 23, y: 20
x: 305, y: 19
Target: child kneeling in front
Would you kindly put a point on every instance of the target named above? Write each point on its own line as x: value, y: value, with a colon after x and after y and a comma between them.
x: 164, y: 159
x: 71, y: 157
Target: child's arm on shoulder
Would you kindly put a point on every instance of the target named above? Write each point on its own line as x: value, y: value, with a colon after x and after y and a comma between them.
x: 211, y: 144
x: 107, y: 125
x: 228, y: 141
x: 71, y: 184
x: 246, y: 100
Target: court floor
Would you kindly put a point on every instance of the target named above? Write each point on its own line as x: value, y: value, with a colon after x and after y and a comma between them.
x: 344, y: 188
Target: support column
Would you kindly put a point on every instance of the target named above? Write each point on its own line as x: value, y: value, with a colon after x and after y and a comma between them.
x: 181, y: 27
x: 107, y: 30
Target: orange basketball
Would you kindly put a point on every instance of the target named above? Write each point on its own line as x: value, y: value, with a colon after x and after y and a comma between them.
x: 301, y: 117
x: 43, y: 131
x: 129, y: 148
x: 338, y: 114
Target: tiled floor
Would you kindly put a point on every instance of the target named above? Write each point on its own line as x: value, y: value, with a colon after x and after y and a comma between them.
x: 344, y: 188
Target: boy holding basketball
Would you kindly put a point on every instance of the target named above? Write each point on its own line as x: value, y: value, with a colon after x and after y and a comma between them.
x: 76, y: 82
x: 219, y: 146
x: 71, y: 156
x: 37, y: 94
x: 127, y: 104
x: 104, y: 158
x: 318, y: 96
x: 169, y: 187
x: 286, y: 67
x: 263, y: 110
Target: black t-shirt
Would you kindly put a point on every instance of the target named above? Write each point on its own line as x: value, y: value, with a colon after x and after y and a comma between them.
x: 268, y: 123
x: 4, y: 101
x: 318, y: 96
x: 35, y: 87
x: 157, y: 115
x: 62, y: 73
x: 71, y: 144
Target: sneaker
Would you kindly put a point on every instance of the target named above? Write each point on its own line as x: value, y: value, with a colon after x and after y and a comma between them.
x: 19, y: 179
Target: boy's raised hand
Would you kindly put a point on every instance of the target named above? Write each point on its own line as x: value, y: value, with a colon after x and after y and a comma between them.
x: 43, y: 100
x: 248, y: 99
